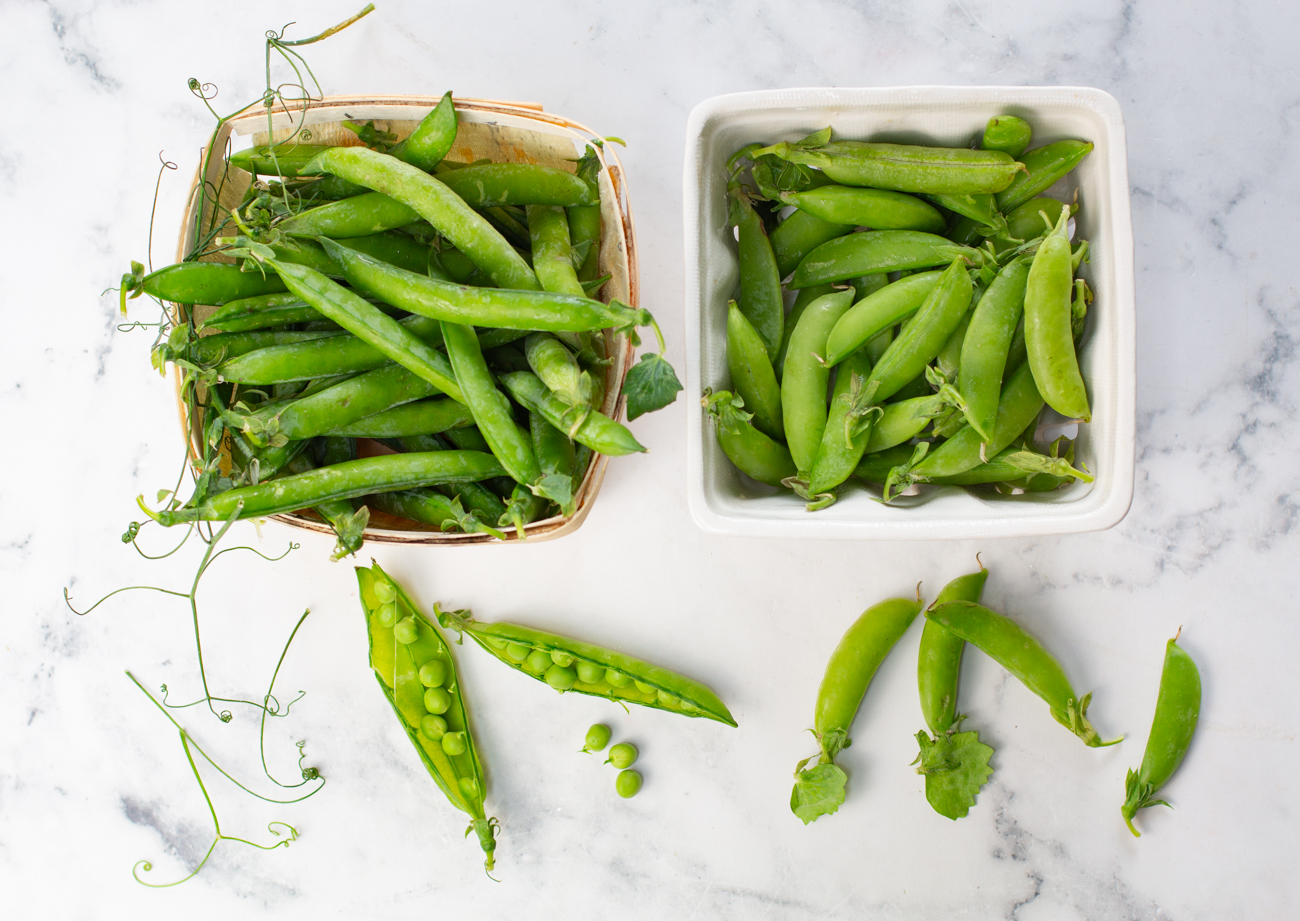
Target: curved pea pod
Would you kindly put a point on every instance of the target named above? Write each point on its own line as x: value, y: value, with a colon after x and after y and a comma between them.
x: 213, y: 283
x: 1017, y: 465
x: 583, y: 424
x: 803, y: 297
x: 491, y: 184
x: 1044, y: 165
x: 904, y: 167
x: 548, y: 231
x: 987, y: 344
x: 847, y: 433
x: 875, y: 208
x: 980, y: 208
x: 798, y: 235
x: 573, y: 665
x: 370, y: 212
x: 432, y: 139
x: 287, y: 160
x: 429, y: 507
x: 1178, y: 708
x: 400, y: 664
x: 760, y: 282
x: 1008, y: 134
x: 877, y: 251
x: 1008, y: 644
x: 1049, y: 335
x: 1034, y: 218
x: 806, y: 375
x: 222, y: 347
x: 878, y: 312
x: 876, y: 466
x: 551, y: 360
x: 819, y: 790
x: 900, y: 422
x: 409, y: 420
x: 752, y: 452
x: 752, y: 375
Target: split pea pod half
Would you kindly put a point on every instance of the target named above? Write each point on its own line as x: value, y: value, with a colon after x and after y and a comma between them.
x: 751, y: 451
x: 877, y: 251
x: 1008, y: 644
x: 752, y: 375
x: 572, y: 665
x: 819, y: 790
x: 1178, y: 708
x: 415, y: 670
x: 875, y: 208
x: 1049, y: 336
x: 760, y: 281
x: 806, y: 375
x: 878, y: 311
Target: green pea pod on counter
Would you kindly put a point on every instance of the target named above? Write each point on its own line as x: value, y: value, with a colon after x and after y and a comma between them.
x: 752, y: 452
x: 1178, y: 708
x: 415, y: 669
x: 819, y: 790
x: 572, y: 665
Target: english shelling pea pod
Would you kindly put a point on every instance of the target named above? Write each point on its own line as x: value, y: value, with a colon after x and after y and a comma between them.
x: 429, y: 507
x: 1049, y: 337
x: 285, y: 160
x: 955, y: 764
x: 798, y: 235
x: 214, y: 350
x: 819, y: 790
x: 432, y: 139
x: 875, y: 208
x: 409, y: 420
x: 584, y: 220
x: 349, y: 523
x: 752, y: 376
x: 436, y: 203
x: 752, y: 452
x: 1008, y: 134
x: 557, y: 458
x: 474, y: 496
x: 847, y: 432
x: 572, y: 665
x: 805, y: 377
x: 486, y: 185
x: 213, y: 283
x: 558, y: 369
x: 1007, y: 643
x: 548, y: 231
x: 986, y: 346
x: 371, y: 212
x: 877, y: 312
x: 404, y: 644
x: 1178, y: 708
x: 1044, y: 166
x: 265, y: 311
x: 760, y: 283
x: 878, y: 251
x: 982, y: 209
x: 583, y: 424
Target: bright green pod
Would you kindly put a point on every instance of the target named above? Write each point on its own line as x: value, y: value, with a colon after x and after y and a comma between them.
x: 1049, y: 336
x: 584, y: 425
x: 877, y: 251
x: 939, y: 658
x: 326, y: 355
x: 1045, y: 165
x: 429, y: 507
x: 800, y: 234
x: 409, y: 420
x: 749, y: 450
x: 213, y: 283
x: 988, y: 342
x: 286, y: 160
x: 904, y: 167
x: 803, y: 297
x: 371, y: 212
x: 805, y: 377
x: 1008, y: 134
x: 584, y: 220
x: 751, y: 373
x: 980, y: 208
x: 877, y: 312
x: 760, y: 282
x: 874, y: 208
x: 349, y: 523
x: 558, y: 368
x: 1034, y: 218
x: 847, y: 431
x: 900, y: 422
x: 548, y: 231
x: 222, y: 347
x: 432, y: 139
x: 493, y: 184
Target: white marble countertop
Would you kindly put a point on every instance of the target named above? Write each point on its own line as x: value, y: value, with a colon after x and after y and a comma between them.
x: 92, y: 778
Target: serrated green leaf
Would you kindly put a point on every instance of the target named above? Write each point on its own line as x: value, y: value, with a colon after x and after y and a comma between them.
x: 817, y: 792
x: 651, y: 384
x: 955, y: 767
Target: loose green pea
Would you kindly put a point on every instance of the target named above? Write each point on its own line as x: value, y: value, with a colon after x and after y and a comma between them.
x: 590, y: 672
x: 453, y: 743
x: 668, y: 700
x: 628, y: 784
x: 517, y: 651
x: 406, y: 630
x: 562, y: 659
x: 615, y: 678
x: 538, y: 660
x: 645, y: 688
x: 622, y: 755
x: 433, y: 727
x: 597, y: 738
x: 386, y: 614
x: 433, y: 674
x: 384, y: 592
x: 560, y: 678
x: 437, y: 700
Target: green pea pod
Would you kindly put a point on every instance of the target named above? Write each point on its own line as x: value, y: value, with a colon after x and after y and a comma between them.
x: 986, y: 346
x: 420, y: 417
x: 328, y: 356
x: 876, y: 466
x: 474, y: 496
x: 429, y: 507
x: 215, y: 350
x: 455, y: 768
x: 556, y: 457
x: 650, y: 685
x: 820, y: 790
x: 1178, y: 708
x: 877, y: 251
x: 804, y: 381
x: 349, y: 523
x: 847, y: 432
x: 1049, y: 336
x: 751, y: 372
x: 1008, y: 644
x: 213, y: 283
x: 760, y: 283
x: 798, y: 235
x: 1008, y: 134
x: 584, y: 220
x: 1012, y: 465
x: 752, y: 452
x: 900, y: 422
x: 803, y: 297
x: 1033, y: 219
x: 286, y: 160
x: 551, y: 360
x: 492, y: 184
x: 437, y: 204
x: 980, y: 208
x: 432, y: 139
x: 875, y: 208
x: 548, y: 231
x: 1044, y: 166
x: 939, y: 659
x: 583, y: 424
x: 878, y: 312
x: 904, y: 167
x: 371, y: 212
x: 265, y: 311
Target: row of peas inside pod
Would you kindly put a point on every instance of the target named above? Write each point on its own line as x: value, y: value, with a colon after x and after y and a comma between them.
x: 903, y: 315
x: 444, y: 314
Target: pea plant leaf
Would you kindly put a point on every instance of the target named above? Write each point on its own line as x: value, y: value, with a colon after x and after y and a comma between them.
x: 956, y: 766
x: 817, y: 791
x: 651, y: 384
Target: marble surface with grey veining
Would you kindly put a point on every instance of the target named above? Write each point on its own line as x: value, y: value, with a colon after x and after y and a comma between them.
x: 93, y: 777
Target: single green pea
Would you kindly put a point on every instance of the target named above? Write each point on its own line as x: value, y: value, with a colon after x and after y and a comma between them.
x: 628, y: 784
x: 453, y: 743
x: 616, y: 678
x: 597, y: 738
x: 386, y: 614
x: 437, y: 700
x: 668, y: 700
x: 645, y: 688
x: 517, y: 651
x: 406, y: 630
x: 496, y: 642
x: 433, y: 674
x: 590, y: 672
x: 562, y: 659
x: 384, y: 592
x: 560, y: 678
x: 469, y: 788
x: 622, y: 755
x: 433, y: 727
x: 538, y: 661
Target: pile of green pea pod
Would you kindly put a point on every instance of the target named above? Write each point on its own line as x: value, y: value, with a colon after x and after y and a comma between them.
x: 934, y: 296
x: 446, y: 310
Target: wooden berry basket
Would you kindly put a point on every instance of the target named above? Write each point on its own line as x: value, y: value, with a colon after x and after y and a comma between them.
x: 502, y: 131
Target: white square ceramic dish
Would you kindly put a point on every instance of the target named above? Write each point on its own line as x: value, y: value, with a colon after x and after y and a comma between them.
x: 723, y: 500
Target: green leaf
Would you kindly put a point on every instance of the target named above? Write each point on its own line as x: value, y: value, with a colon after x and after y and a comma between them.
x: 817, y: 792
x: 652, y: 384
x: 955, y: 766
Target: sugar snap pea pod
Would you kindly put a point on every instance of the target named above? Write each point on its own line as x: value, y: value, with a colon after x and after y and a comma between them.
x: 437, y: 204
x: 349, y: 523
x: 421, y: 417
x: 584, y: 425
x: 752, y: 452
x: 432, y: 139
x: 800, y: 234
x: 922, y: 339
x: 347, y: 480
x: 819, y: 790
x: 877, y: 251
x: 803, y: 383
x: 557, y: 458
x: 1044, y: 165
x: 980, y: 208
x: 1034, y: 218
x: 330, y: 356
x: 584, y: 220
x: 1008, y: 134
x: 900, y: 422
x: 403, y: 641
x: 285, y: 160
x: 939, y: 659
x: 429, y: 507
x: 548, y: 230
x: 371, y: 212
x: 877, y: 312
x: 986, y: 346
x: 904, y: 167
x: 1049, y: 337
x: 760, y: 283
x: 552, y: 361
x: 751, y: 373
x: 875, y: 208
x: 1013, y: 464
x: 584, y: 668
x: 847, y: 433
x: 496, y: 307
x: 211, y: 350
x: 803, y: 297
x: 1008, y: 644
x: 490, y: 184
x: 197, y: 283
x: 1178, y: 707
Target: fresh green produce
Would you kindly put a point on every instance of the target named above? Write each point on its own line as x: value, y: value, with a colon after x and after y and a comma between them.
x: 753, y: 453
x: 760, y: 283
x: 598, y: 734
x: 1048, y: 335
x: 623, y: 755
